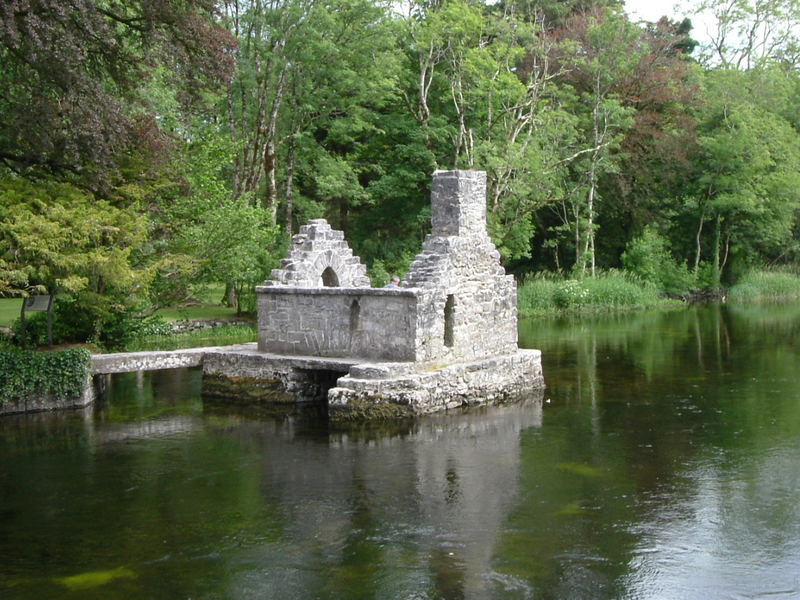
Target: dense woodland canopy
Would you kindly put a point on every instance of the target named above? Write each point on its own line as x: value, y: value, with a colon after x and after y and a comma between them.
x: 149, y: 146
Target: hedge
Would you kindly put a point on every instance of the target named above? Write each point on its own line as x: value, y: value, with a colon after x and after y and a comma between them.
x: 60, y: 374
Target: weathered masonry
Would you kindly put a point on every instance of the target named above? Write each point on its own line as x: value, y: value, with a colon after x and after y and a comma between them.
x: 446, y: 337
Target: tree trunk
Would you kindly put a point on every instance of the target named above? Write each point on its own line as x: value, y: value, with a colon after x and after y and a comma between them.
x: 290, y: 160
x: 697, y: 241
x: 717, y: 235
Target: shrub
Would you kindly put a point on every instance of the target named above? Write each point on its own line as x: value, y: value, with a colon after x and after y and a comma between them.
x: 648, y: 257
x: 61, y: 374
x: 86, y: 317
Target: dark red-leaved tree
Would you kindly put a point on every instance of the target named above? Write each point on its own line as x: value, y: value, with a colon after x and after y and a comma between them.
x: 72, y: 74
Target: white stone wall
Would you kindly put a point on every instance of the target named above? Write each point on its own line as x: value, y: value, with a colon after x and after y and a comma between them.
x: 314, y: 250
x: 455, y: 304
x: 498, y: 379
x: 377, y: 324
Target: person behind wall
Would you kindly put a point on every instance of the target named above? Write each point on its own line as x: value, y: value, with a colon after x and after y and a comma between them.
x: 394, y: 283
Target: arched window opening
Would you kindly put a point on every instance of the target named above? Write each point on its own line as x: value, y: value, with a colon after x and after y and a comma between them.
x: 329, y: 278
x: 449, y: 310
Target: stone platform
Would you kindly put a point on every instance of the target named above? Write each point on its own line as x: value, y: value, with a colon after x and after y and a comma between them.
x: 352, y: 388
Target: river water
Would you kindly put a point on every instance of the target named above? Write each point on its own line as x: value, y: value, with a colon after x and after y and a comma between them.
x: 662, y: 462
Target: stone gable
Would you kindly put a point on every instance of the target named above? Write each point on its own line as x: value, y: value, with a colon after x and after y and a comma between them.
x: 320, y: 257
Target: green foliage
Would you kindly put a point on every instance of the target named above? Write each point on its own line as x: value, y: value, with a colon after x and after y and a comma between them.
x: 547, y: 294
x: 589, y: 127
x: 55, y: 237
x: 61, y: 374
x: 648, y: 257
x: 217, y: 336
x: 761, y: 284
x: 83, y: 318
x: 536, y: 294
x: 72, y: 74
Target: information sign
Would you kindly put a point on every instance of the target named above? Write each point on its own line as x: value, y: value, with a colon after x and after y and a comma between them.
x: 40, y: 303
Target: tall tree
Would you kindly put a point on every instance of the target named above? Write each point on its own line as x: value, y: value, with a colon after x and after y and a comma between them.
x: 747, y: 32
x: 71, y: 73
x: 601, y: 49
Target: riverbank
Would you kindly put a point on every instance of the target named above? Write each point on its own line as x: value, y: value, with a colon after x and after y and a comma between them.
x: 550, y: 294
x: 547, y: 295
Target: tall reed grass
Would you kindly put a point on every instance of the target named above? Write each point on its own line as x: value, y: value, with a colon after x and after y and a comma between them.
x: 766, y: 284
x: 543, y: 294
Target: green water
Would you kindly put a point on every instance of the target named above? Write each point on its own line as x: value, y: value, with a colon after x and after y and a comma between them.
x: 662, y: 462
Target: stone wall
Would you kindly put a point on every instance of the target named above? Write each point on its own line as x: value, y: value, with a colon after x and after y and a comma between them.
x: 127, y: 362
x: 378, y: 324
x: 47, y: 403
x: 370, y: 394
x: 456, y: 303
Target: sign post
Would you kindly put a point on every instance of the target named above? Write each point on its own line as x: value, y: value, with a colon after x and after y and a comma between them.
x: 39, y: 303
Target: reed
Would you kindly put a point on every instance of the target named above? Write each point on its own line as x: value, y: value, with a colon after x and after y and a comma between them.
x: 766, y: 284
x: 545, y: 294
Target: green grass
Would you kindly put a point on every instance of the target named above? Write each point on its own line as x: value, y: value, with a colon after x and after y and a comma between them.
x: 208, y: 306
x: 218, y: 336
x: 201, y: 311
x: 9, y: 310
x: 764, y: 285
x: 547, y: 294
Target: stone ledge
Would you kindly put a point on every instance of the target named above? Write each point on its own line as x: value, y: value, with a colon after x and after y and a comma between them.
x: 270, y: 288
x: 418, y: 391
x: 47, y: 403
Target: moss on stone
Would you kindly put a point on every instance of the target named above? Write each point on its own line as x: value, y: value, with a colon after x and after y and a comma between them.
x: 360, y: 409
x: 246, y: 390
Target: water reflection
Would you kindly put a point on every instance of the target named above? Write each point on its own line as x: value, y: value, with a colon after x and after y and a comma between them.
x: 660, y: 464
x: 207, y: 501
x: 690, y: 420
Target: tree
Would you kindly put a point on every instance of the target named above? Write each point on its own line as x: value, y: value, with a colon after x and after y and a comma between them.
x: 71, y: 73
x: 60, y: 240
x: 600, y: 49
x: 748, y: 173
x: 748, y: 32
x: 210, y: 235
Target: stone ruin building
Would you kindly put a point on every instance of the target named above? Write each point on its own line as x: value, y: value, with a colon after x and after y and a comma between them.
x: 447, y: 337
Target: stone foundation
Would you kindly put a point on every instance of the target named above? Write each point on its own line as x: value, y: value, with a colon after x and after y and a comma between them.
x: 391, y: 391
x: 355, y: 390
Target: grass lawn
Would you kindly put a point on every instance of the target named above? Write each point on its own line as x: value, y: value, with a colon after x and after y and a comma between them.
x: 209, y: 307
x: 9, y: 310
x: 201, y: 311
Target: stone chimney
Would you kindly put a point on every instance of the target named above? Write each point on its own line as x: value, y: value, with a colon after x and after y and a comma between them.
x: 458, y: 203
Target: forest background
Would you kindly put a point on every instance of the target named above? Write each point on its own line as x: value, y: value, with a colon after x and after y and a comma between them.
x: 149, y: 147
